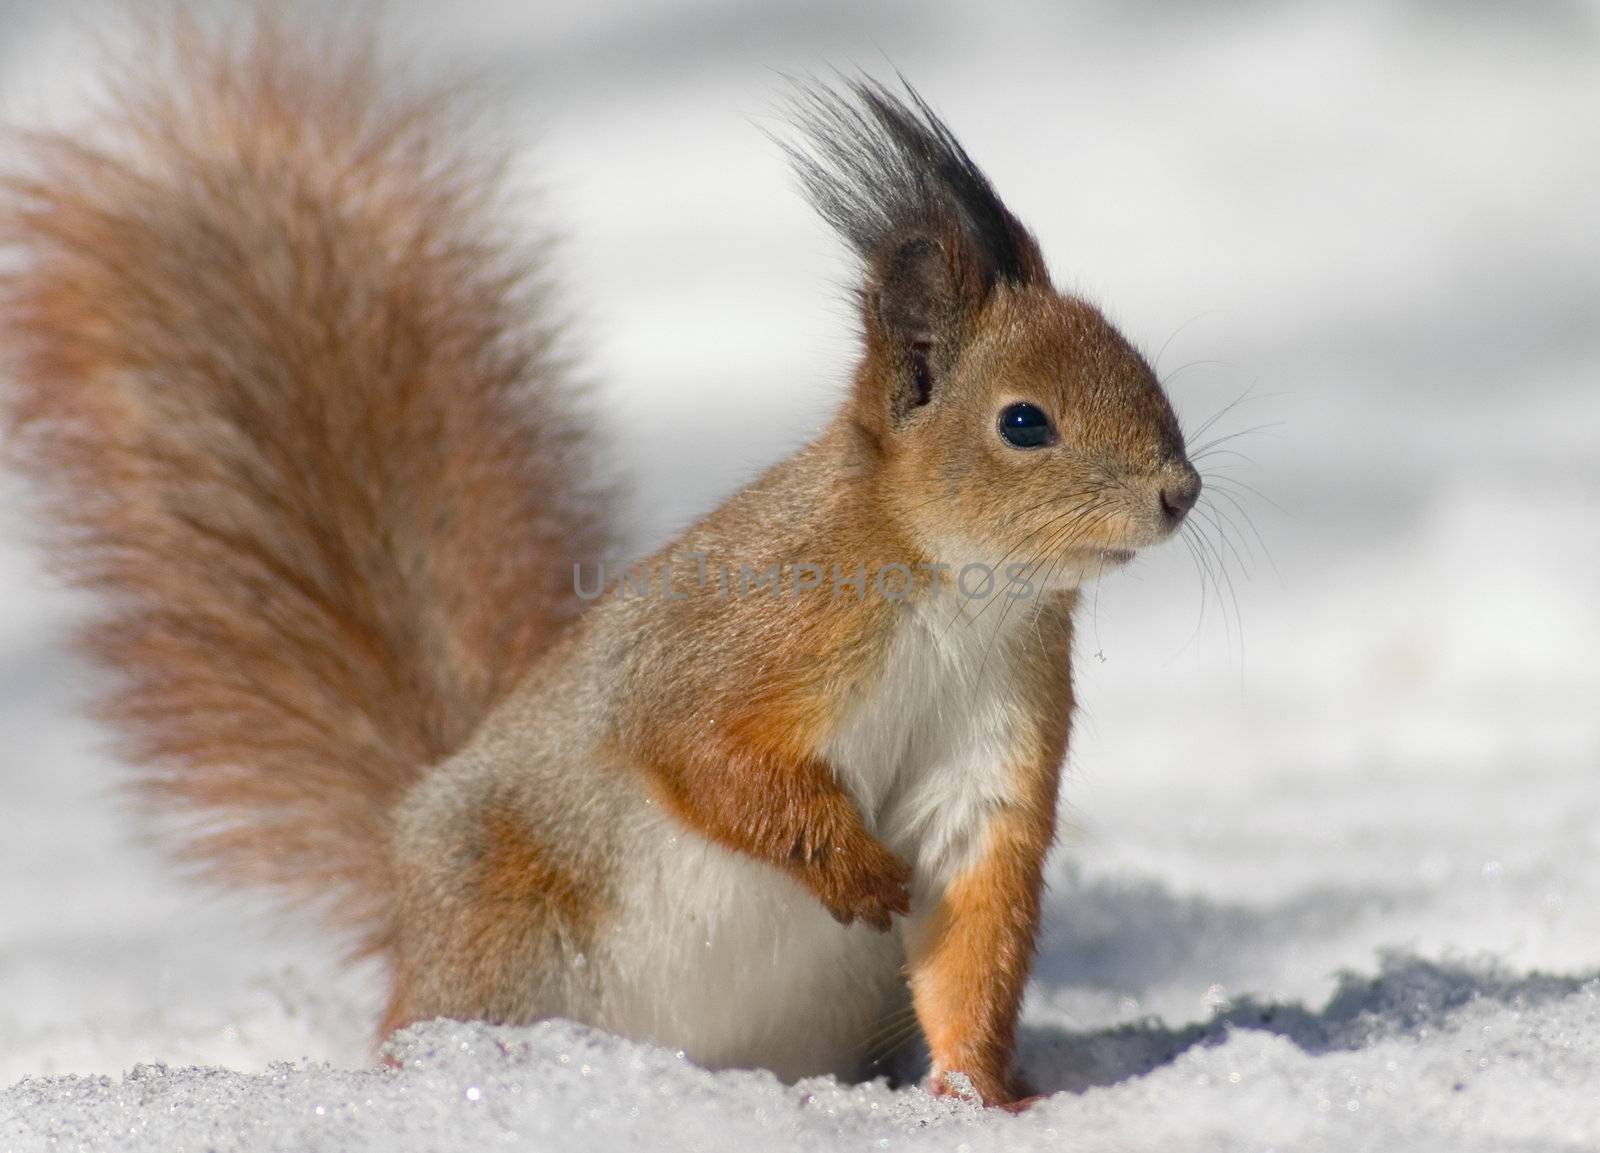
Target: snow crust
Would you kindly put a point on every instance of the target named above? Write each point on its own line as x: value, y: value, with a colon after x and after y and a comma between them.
x: 1422, y: 1055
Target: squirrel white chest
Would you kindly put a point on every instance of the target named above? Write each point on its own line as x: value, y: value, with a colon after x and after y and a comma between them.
x: 927, y: 752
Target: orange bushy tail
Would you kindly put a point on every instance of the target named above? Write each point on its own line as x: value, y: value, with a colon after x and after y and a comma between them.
x: 285, y: 392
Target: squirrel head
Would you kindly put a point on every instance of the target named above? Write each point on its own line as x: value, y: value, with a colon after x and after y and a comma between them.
x: 1011, y: 422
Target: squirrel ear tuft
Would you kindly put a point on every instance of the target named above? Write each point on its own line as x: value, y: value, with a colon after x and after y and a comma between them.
x: 932, y: 236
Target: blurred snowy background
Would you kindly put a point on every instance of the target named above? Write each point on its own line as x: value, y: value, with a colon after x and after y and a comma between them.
x: 1369, y: 770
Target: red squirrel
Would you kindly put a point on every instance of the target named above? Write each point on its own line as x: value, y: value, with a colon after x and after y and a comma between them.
x: 292, y: 402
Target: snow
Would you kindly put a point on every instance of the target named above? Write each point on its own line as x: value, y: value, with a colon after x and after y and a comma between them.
x: 1331, y: 871
x: 1421, y: 1056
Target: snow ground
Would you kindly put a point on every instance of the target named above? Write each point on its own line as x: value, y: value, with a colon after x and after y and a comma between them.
x: 1332, y: 872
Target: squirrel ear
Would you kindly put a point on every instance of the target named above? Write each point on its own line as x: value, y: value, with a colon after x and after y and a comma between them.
x: 919, y: 300
x: 933, y: 237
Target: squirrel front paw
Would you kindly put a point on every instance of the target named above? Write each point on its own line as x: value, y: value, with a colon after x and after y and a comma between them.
x: 861, y: 880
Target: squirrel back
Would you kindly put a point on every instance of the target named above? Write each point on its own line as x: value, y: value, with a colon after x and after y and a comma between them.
x: 298, y: 416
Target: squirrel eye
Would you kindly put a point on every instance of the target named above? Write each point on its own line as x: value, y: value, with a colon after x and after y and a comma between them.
x: 1026, y: 426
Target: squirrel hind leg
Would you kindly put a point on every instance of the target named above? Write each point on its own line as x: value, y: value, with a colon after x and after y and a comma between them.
x: 498, y: 928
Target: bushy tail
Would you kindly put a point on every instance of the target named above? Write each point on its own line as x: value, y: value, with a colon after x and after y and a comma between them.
x: 288, y: 398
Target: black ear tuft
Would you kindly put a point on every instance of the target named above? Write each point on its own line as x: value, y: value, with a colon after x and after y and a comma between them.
x: 880, y: 167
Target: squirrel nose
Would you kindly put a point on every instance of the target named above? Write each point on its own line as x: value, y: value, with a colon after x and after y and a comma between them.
x: 1178, y: 498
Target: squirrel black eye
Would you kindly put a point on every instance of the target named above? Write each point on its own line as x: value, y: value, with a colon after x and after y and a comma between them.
x: 1026, y: 426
